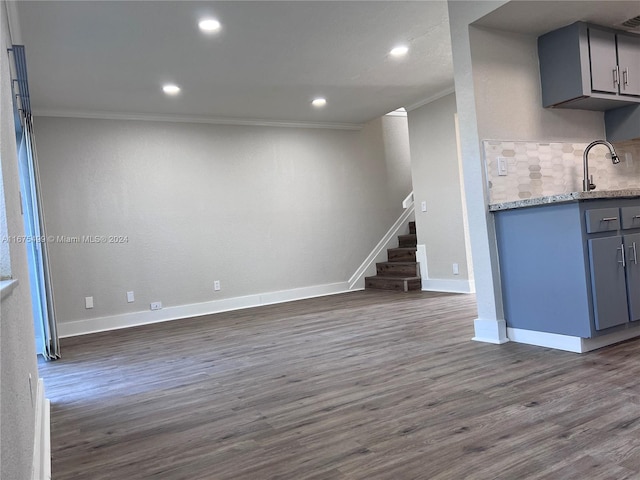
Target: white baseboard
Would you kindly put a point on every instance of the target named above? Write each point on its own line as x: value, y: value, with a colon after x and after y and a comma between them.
x: 569, y: 343
x: 41, y: 468
x: 543, y: 339
x: 114, y: 322
x: 440, y: 285
x: 490, y: 331
x: 447, y: 285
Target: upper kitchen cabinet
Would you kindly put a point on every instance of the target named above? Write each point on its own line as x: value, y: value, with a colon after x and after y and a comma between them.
x: 589, y: 67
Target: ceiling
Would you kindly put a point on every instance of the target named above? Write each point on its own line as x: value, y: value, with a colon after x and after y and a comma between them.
x: 268, y: 62
x: 542, y: 16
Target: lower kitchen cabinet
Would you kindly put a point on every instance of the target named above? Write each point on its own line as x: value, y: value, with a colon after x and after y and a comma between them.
x: 632, y: 245
x: 571, y: 268
x: 608, y: 282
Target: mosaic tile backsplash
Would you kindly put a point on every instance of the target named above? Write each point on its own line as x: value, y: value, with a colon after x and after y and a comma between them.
x: 541, y: 169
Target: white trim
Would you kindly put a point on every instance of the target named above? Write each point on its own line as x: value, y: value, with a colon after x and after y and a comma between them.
x: 543, y: 339
x: 432, y: 98
x: 567, y: 342
x: 396, y: 113
x: 421, y: 258
x: 409, y: 201
x: 41, y: 466
x: 114, y: 322
x: 447, y: 285
x: 490, y: 331
x: 594, y: 343
x: 193, y: 119
x: 7, y: 286
x: 358, y: 277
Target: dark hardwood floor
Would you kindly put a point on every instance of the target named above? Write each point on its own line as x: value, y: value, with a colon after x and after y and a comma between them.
x: 366, y: 385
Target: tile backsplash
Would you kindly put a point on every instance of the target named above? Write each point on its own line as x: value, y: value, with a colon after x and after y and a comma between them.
x: 536, y: 169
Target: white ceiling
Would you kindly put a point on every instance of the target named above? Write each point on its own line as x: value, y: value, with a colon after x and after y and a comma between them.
x: 542, y: 16
x: 268, y: 62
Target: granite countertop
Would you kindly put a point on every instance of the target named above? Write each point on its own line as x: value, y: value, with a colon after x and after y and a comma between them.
x: 565, y: 198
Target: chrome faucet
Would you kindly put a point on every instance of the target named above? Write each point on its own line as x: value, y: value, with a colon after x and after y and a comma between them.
x: 587, y: 183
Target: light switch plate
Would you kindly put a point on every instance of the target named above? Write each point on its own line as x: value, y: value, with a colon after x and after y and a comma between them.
x: 502, y: 167
x: 88, y: 302
x: 423, y: 206
x: 130, y: 297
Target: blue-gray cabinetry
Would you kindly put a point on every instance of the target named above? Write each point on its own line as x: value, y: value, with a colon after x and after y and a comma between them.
x: 571, y: 268
x: 589, y: 67
x: 623, y: 123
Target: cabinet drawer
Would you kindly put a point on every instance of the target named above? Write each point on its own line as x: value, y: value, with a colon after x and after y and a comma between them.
x: 603, y: 220
x: 630, y: 217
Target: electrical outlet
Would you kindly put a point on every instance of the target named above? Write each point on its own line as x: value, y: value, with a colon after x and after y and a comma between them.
x: 88, y: 302
x: 156, y: 305
x: 423, y: 206
x: 216, y: 285
x: 502, y: 167
x: 130, y: 297
x: 456, y: 269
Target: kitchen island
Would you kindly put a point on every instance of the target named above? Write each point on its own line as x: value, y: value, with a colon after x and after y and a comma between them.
x: 569, y: 267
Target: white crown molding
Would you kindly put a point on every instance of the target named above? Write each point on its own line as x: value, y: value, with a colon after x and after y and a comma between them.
x: 193, y: 119
x: 396, y: 113
x: 430, y: 99
x: 14, y: 23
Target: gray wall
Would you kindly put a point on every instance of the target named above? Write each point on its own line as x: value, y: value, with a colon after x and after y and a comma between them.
x: 17, y: 346
x: 261, y: 209
x: 506, y: 76
x: 436, y: 180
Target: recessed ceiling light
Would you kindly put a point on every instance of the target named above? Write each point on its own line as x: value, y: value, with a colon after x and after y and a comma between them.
x: 399, y: 51
x: 171, y: 89
x: 209, y: 25
x: 319, y: 102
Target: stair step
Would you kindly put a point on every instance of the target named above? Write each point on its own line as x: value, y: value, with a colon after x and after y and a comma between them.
x: 398, y: 269
x: 410, y: 240
x: 407, y: 254
x: 400, y: 284
x: 412, y: 228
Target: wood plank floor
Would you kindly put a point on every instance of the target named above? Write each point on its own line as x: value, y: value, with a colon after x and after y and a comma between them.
x: 365, y: 385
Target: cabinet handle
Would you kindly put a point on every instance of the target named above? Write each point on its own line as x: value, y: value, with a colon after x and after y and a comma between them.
x: 609, y: 219
x: 625, y: 77
x: 635, y: 253
x: 623, y: 261
x: 616, y: 76
x: 637, y: 216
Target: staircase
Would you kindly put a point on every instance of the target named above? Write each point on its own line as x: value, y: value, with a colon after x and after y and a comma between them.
x: 400, y: 272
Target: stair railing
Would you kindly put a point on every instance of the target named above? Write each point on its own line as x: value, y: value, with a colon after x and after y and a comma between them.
x: 384, y: 243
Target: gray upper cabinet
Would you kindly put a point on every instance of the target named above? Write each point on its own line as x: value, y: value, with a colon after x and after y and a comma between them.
x: 603, y: 61
x: 589, y: 67
x: 629, y: 64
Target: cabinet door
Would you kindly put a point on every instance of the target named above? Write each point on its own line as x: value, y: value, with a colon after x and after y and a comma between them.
x: 632, y: 245
x: 602, y: 56
x: 629, y: 64
x: 608, y: 284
